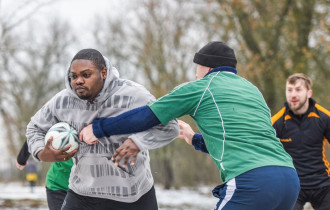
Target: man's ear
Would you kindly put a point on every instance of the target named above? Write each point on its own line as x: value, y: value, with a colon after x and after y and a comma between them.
x: 104, y: 73
x: 309, y: 93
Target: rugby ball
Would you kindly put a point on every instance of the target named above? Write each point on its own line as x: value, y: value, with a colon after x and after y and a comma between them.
x: 63, y: 134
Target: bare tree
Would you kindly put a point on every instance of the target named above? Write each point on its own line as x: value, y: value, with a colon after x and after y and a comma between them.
x: 275, y: 39
x: 156, y: 45
x: 33, y: 72
x: 10, y: 46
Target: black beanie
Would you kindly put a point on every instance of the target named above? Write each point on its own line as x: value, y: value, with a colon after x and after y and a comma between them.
x: 215, y: 54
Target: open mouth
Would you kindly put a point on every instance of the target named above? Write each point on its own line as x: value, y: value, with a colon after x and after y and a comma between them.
x: 294, y: 102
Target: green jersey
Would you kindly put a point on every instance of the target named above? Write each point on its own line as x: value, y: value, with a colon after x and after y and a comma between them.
x: 58, y: 175
x: 233, y: 118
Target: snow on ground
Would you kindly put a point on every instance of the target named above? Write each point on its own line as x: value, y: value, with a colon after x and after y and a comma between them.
x: 185, y: 198
x: 18, y: 191
x: 15, y: 196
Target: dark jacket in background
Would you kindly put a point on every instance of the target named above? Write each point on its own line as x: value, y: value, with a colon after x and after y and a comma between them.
x: 304, y: 138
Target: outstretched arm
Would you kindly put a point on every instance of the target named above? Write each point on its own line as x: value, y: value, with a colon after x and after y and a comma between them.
x: 192, y: 138
x: 186, y: 132
x: 22, y: 156
x: 133, y: 121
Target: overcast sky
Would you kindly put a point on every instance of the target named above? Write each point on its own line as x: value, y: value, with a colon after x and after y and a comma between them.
x: 79, y: 13
x: 75, y: 10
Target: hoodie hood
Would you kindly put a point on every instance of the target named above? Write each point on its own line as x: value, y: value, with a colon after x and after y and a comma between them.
x: 112, y: 76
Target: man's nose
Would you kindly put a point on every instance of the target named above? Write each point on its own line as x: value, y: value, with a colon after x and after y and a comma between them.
x: 80, y: 80
x: 293, y: 93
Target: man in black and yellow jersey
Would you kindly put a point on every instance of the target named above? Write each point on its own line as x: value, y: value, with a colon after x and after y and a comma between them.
x: 304, y: 128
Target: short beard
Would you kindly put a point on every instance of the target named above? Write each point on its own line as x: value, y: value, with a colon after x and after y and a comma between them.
x: 300, y: 105
x: 84, y: 97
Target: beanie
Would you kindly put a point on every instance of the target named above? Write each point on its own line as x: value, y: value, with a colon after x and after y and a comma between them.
x: 215, y: 54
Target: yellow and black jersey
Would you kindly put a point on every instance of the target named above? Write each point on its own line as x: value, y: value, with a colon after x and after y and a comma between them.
x: 304, y: 138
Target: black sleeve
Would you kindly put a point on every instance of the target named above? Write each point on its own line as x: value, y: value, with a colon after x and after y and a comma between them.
x: 327, y: 129
x: 23, y: 154
x: 199, y: 143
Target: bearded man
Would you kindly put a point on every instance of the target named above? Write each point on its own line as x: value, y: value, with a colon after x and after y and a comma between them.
x: 304, y: 127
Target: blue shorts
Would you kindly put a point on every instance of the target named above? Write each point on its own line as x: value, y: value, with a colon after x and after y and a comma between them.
x: 264, y: 188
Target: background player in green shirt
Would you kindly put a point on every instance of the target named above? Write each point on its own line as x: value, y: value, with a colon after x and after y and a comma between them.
x: 236, y: 126
x: 57, y: 178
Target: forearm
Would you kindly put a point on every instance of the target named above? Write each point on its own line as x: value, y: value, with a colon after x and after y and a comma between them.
x: 199, y: 143
x: 38, y: 127
x: 35, y: 140
x: 23, y: 154
x: 133, y: 121
x: 156, y: 136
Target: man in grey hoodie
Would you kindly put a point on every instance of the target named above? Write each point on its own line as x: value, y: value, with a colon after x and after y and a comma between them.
x: 93, y: 90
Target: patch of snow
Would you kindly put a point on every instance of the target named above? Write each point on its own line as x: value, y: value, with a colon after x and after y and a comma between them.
x: 182, y: 199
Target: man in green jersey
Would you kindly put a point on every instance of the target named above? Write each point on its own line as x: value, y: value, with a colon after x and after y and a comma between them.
x: 236, y: 127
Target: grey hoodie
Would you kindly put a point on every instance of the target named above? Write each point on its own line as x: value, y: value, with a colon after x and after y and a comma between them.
x: 93, y: 173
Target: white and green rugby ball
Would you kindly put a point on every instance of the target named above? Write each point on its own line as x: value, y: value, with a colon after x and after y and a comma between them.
x: 63, y: 135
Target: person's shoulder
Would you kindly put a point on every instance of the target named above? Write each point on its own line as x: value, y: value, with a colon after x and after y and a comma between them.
x: 186, y: 84
x: 185, y: 87
x: 53, y: 99
x: 137, y: 86
x: 62, y: 92
x: 128, y: 83
x: 132, y: 83
x: 322, y: 110
x: 133, y: 88
x: 275, y: 118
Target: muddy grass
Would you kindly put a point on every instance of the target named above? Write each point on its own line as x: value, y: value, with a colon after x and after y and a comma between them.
x: 23, y: 204
x: 27, y: 204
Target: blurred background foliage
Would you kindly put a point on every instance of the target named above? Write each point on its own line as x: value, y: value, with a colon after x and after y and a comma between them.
x: 154, y: 45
